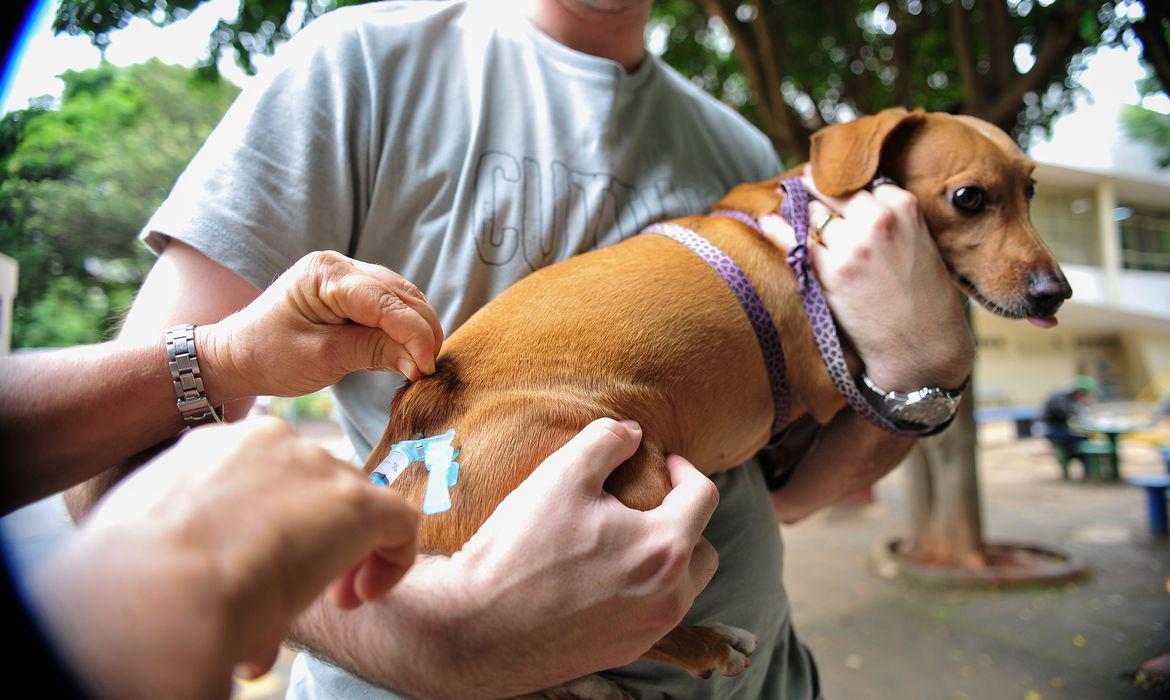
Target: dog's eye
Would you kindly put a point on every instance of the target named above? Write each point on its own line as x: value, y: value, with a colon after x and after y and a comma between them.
x: 968, y: 198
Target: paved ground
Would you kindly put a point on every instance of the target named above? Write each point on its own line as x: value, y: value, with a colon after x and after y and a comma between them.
x: 875, y: 638
x: 883, y: 639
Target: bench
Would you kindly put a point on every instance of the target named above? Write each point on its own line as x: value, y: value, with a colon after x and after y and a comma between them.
x: 1023, y: 416
x: 1156, y: 486
x: 1096, y: 457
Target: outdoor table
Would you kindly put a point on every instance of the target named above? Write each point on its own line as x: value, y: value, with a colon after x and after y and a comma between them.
x: 1112, y: 428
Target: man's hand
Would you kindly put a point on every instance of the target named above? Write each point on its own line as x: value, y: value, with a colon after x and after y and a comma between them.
x: 888, y: 288
x: 200, y: 561
x: 326, y: 316
x: 561, y: 554
x: 561, y: 581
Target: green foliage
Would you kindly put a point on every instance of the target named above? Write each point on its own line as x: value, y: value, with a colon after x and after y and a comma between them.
x: 1151, y: 127
x: 70, y: 313
x: 259, y: 27
x: 790, y: 66
x: 814, y: 63
x: 317, y: 406
x: 78, y: 182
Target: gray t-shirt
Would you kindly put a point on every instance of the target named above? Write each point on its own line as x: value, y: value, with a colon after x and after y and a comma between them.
x: 456, y: 144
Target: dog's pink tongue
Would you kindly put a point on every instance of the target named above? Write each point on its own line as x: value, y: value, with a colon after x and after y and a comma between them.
x: 1046, y: 322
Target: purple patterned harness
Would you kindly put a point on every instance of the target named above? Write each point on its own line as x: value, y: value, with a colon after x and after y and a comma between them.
x: 757, y: 313
x: 794, y: 209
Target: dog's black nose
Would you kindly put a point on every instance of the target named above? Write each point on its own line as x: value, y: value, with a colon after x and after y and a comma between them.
x: 1046, y: 292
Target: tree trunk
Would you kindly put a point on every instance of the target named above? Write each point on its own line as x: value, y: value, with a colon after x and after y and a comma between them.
x: 1152, y: 32
x: 946, y: 523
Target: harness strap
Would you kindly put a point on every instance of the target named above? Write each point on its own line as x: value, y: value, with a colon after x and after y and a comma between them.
x: 740, y: 216
x: 766, y: 333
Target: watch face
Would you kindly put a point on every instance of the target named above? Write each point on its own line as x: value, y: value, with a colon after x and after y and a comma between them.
x: 931, y: 409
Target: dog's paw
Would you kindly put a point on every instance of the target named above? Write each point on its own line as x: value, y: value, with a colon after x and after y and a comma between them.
x: 741, y: 640
x: 592, y: 687
x: 731, y: 650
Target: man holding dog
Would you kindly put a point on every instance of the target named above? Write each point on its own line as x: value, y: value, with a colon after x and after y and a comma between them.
x: 464, y: 146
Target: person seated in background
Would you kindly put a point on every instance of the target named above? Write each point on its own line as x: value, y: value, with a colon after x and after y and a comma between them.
x: 1061, y: 407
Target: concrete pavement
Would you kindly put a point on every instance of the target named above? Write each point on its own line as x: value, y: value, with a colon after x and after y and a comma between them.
x: 884, y: 639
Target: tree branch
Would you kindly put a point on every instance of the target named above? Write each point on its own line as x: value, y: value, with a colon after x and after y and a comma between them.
x: 748, y: 58
x: 965, y: 55
x: 903, y: 53
x: 790, y: 122
x: 1061, y: 43
x: 783, y: 126
x: 1000, y: 37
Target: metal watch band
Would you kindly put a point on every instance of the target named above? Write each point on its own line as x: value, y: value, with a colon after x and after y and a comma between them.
x: 184, y: 365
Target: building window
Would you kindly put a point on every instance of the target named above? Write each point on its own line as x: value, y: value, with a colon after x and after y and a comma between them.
x: 1066, y: 220
x: 1145, y: 239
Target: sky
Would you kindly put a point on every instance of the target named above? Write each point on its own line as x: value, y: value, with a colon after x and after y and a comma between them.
x: 46, y: 56
x: 1088, y: 137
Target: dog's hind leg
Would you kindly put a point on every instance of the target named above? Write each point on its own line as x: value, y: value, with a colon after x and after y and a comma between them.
x: 642, y: 482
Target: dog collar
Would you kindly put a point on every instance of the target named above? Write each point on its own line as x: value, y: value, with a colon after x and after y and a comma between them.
x: 794, y: 209
x: 766, y: 333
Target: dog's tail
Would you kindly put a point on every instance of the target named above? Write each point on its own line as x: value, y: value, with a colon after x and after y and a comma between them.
x: 423, y: 408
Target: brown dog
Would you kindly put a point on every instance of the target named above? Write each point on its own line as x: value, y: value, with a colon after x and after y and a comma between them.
x: 646, y: 330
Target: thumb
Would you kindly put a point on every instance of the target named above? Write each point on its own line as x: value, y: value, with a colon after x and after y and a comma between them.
x: 371, y: 348
x: 592, y: 455
x: 258, y: 663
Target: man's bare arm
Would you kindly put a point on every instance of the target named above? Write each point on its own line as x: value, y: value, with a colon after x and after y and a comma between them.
x: 849, y: 455
x: 326, y: 316
x: 83, y: 414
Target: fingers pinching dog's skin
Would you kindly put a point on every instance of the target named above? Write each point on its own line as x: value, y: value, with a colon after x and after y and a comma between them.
x: 686, y: 510
x: 387, y: 302
x: 410, y: 294
x: 606, y: 442
x: 326, y: 316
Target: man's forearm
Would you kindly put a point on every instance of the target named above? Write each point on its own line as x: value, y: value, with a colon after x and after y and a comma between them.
x: 849, y: 455
x: 67, y: 416
x: 405, y: 642
x: 429, y: 639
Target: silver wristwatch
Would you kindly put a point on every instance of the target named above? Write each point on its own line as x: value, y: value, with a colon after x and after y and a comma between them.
x: 925, y: 411
x: 184, y: 365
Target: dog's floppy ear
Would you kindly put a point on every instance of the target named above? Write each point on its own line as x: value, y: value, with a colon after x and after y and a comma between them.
x: 845, y: 157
